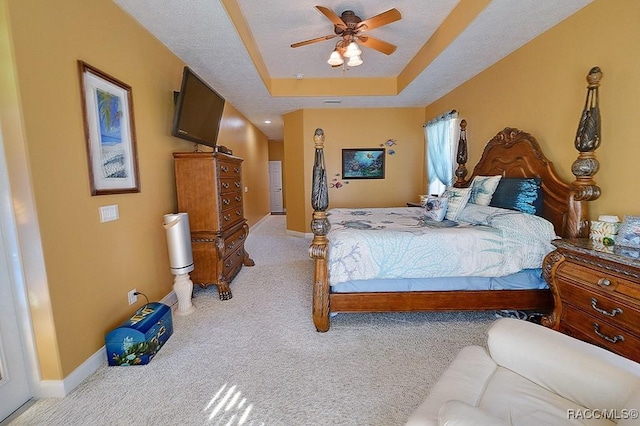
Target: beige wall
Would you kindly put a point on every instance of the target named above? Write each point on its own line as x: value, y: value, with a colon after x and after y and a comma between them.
x: 541, y: 89
x: 88, y: 267
x: 357, y: 128
x: 296, y: 197
x: 247, y: 142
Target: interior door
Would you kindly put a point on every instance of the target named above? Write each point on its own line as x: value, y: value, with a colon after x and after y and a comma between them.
x: 14, y: 382
x: 275, y: 186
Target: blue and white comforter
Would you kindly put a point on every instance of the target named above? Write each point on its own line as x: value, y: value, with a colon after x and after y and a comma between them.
x: 378, y: 243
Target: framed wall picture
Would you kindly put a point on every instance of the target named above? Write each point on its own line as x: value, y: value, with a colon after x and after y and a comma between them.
x: 107, y: 104
x: 363, y: 163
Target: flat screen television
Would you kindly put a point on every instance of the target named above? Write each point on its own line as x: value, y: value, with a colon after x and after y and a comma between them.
x: 198, y: 111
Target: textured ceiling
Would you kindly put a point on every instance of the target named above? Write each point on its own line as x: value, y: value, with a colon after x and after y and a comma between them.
x: 202, y: 33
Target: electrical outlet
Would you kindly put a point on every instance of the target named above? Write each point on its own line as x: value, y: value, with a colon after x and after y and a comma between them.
x: 133, y: 297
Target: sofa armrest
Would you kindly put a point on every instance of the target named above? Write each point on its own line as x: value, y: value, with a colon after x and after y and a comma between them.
x: 458, y: 413
x: 464, y: 380
x: 576, y: 370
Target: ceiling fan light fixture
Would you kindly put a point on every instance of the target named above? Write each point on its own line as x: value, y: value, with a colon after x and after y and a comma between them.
x: 347, y: 28
x: 352, y: 50
x: 354, y: 61
x: 335, y: 59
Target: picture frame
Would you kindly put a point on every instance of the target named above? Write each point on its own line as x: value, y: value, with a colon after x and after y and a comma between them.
x: 629, y: 232
x: 363, y: 163
x: 107, y: 105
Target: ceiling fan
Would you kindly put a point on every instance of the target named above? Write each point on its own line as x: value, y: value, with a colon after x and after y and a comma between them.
x: 350, y: 27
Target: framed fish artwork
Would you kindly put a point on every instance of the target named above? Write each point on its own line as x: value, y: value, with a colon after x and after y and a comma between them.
x: 363, y: 163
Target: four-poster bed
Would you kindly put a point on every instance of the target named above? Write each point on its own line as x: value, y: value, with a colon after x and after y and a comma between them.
x: 512, y: 154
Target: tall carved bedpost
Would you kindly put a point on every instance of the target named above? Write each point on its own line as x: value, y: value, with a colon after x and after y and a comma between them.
x: 462, y: 156
x: 320, y: 228
x: 584, y: 188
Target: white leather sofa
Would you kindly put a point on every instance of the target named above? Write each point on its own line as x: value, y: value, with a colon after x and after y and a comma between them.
x: 533, y: 376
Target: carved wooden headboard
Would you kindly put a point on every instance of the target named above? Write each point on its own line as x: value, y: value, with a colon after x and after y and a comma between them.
x: 514, y: 153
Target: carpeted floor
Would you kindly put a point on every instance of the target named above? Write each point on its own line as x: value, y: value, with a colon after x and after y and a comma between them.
x: 257, y: 359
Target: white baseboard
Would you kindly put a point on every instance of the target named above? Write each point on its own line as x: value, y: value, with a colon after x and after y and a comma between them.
x: 61, y: 388
x: 259, y: 223
x: 299, y: 234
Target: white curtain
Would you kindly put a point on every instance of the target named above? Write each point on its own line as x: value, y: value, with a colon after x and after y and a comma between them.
x: 441, y: 136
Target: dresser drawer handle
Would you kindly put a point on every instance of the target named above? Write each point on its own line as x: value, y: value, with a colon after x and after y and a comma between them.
x: 226, y: 201
x: 224, y: 168
x: 614, y: 339
x: 232, y: 245
x: 613, y: 313
x: 226, y: 217
x: 238, y: 213
x: 240, y: 253
x: 225, y: 185
x: 238, y: 198
x: 242, y: 237
x: 604, y: 282
x: 236, y: 169
x: 237, y: 184
x: 228, y: 264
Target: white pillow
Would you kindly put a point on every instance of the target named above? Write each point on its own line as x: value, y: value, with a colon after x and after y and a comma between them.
x: 458, y: 199
x: 482, y: 189
x: 435, y: 208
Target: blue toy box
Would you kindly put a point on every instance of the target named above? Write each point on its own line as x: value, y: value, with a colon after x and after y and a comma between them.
x: 138, y: 339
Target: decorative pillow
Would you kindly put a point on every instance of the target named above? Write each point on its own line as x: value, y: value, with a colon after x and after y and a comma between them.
x: 523, y: 194
x: 458, y: 198
x: 435, y: 208
x: 482, y: 189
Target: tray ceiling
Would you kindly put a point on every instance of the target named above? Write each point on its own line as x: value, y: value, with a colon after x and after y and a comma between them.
x: 242, y: 49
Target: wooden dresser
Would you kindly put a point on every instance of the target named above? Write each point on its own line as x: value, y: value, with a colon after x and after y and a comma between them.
x: 596, y: 291
x: 209, y: 189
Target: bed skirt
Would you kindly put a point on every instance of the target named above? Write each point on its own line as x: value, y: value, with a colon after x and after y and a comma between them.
x: 530, y: 279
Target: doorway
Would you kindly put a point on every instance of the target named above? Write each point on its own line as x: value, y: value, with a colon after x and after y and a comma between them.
x: 14, y: 380
x: 275, y: 187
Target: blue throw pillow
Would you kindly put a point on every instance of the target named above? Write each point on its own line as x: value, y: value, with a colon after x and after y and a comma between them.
x: 523, y: 194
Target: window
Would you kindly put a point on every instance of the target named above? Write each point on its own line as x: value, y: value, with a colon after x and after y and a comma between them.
x: 441, y: 135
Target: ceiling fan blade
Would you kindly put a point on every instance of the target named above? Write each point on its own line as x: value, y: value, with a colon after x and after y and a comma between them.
x: 314, y: 40
x: 391, y: 15
x: 331, y: 15
x: 377, y: 44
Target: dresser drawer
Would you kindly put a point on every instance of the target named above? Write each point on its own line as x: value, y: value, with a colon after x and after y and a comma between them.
x: 228, y: 169
x: 598, y: 279
x: 233, y: 261
x: 231, y: 200
x: 230, y: 184
x: 235, y: 240
x: 602, y: 306
x: 601, y: 333
x: 231, y: 217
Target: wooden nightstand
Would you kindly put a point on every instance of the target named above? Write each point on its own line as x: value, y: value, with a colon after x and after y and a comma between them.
x: 596, y: 290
